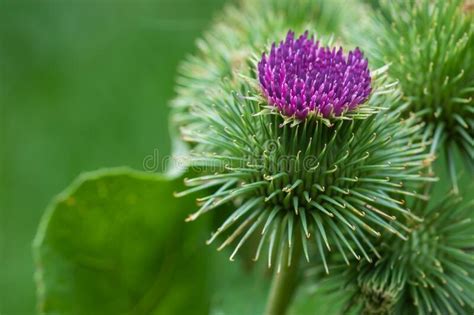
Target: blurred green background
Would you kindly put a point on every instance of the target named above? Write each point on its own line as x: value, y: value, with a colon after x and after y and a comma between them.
x: 83, y: 84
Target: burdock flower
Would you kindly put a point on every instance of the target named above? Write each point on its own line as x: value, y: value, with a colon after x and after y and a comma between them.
x: 224, y: 50
x: 300, y: 77
x: 331, y: 183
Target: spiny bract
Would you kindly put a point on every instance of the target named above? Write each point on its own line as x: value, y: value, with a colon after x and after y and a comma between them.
x: 431, y: 273
x: 321, y: 181
x: 430, y: 44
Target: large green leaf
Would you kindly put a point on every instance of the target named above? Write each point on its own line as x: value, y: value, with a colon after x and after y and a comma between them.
x: 115, y: 242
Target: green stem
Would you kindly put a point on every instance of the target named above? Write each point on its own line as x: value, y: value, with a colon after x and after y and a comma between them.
x: 284, y: 284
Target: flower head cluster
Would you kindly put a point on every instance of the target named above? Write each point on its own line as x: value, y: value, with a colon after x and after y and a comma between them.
x: 300, y: 77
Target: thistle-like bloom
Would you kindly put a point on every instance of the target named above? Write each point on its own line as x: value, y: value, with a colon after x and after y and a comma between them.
x: 300, y: 77
x: 328, y: 183
x: 242, y: 31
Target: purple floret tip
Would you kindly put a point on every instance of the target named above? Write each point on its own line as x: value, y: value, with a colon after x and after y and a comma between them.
x: 300, y: 77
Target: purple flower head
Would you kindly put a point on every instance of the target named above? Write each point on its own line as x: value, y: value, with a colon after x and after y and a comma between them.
x: 300, y: 77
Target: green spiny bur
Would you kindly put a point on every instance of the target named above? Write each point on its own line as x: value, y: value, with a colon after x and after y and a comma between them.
x: 430, y: 45
x: 431, y: 273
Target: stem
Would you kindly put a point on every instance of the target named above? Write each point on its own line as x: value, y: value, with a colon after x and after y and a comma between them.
x: 284, y: 284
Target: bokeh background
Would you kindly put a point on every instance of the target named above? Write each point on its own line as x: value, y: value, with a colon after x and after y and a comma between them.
x: 83, y: 84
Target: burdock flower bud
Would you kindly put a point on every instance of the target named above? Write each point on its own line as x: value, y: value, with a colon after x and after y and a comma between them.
x: 317, y: 164
x: 431, y: 273
x: 431, y: 48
